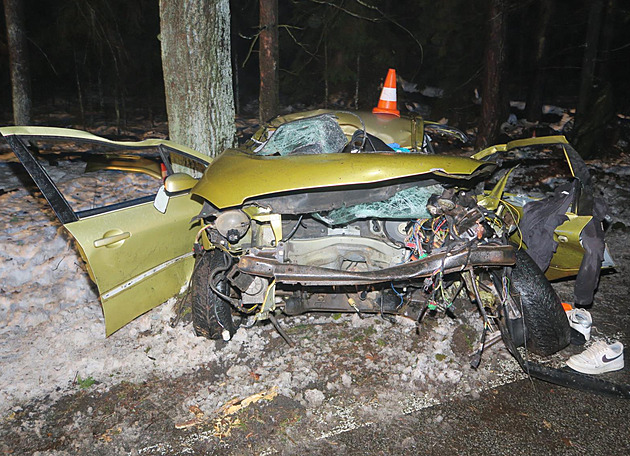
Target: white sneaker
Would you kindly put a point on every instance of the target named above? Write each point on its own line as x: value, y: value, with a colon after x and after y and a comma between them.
x: 581, y: 321
x: 598, y: 358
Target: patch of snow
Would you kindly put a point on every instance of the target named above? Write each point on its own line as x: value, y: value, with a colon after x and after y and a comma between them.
x: 314, y: 397
x: 345, y: 370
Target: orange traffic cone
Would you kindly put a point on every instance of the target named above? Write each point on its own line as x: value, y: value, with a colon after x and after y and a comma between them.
x: 387, y: 102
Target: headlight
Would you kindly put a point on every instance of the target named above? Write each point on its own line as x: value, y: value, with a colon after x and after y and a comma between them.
x: 232, y: 225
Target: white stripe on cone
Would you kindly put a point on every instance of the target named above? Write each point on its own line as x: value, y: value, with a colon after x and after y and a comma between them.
x: 388, y: 94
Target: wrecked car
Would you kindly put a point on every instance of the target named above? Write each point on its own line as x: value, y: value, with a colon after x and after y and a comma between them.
x: 320, y: 212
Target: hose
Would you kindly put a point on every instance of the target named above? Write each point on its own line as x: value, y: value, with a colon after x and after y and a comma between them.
x: 216, y: 272
x: 295, y: 228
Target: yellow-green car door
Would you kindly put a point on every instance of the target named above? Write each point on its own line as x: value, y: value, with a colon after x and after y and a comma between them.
x: 136, y: 239
x: 137, y: 256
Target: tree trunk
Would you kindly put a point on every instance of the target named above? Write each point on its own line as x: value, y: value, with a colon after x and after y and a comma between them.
x: 590, y: 53
x: 195, y: 37
x: 18, y: 57
x: 268, y: 60
x: 494, y: 103
x: 608, y: 34
x: 235, y: 77
x: 533, y: 110
x: 594, y: 106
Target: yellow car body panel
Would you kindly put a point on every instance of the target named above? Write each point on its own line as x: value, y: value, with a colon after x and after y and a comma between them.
x: 146, y: 268
x: 542, y: 140
x: 264, y: 175
x: 568, y: 257
x: 137, y: 256
x: 56, y: 132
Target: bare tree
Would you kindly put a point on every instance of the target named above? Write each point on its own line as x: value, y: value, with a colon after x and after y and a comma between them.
x: 195, y: 37
x: 493, y: 104
x: 18, y: 57
x: 533, y: 110
x: 608, y: 34
x: 595, y: 101
x: 590, y: 54
x: 268, y: 60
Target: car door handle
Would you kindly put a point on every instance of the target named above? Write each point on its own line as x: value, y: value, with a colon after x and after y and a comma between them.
x: 109, y: 240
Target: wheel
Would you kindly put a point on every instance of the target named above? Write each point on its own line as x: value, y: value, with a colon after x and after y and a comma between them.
x: 211, y: 314
x: 546, y: 325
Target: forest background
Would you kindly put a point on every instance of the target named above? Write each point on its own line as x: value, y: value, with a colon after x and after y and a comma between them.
x: 100, y: 59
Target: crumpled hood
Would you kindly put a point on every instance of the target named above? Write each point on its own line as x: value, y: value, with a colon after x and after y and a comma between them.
x: 235, y: 176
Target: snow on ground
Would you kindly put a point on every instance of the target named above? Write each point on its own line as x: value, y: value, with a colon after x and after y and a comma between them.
x: 346, y: 370
x: 52, y: 333
x: 52, y: 323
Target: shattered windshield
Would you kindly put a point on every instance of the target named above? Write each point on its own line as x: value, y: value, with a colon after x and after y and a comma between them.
x: 313, y: 135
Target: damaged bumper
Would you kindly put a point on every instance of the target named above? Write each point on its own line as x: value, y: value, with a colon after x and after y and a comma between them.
x: 313, y: 275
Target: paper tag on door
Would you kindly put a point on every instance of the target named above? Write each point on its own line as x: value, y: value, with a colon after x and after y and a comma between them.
x: 161, y: 200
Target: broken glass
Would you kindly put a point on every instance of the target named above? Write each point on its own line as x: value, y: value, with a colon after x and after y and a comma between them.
x: 313, y: 135
x: 410, y: 203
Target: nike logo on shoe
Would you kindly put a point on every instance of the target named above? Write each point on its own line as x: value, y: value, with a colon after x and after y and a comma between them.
x: 606, y: 359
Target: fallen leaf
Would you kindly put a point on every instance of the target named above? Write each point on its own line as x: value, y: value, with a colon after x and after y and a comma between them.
x: 255, y: 376
x: 223, y: 426
x: 187, y: 424
x: 198, y: 419
x: 232, y: 402
x: 547, y: 424
x: 567, y: 442
x: 195, y: 411
x: 107, y: 436
x: 236, y: 404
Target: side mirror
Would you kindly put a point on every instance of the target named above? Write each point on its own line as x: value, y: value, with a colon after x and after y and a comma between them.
x: 179, y: 182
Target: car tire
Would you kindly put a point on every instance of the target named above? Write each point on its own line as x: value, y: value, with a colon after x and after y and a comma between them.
x: 546, y: 325
x: 211, y: 314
